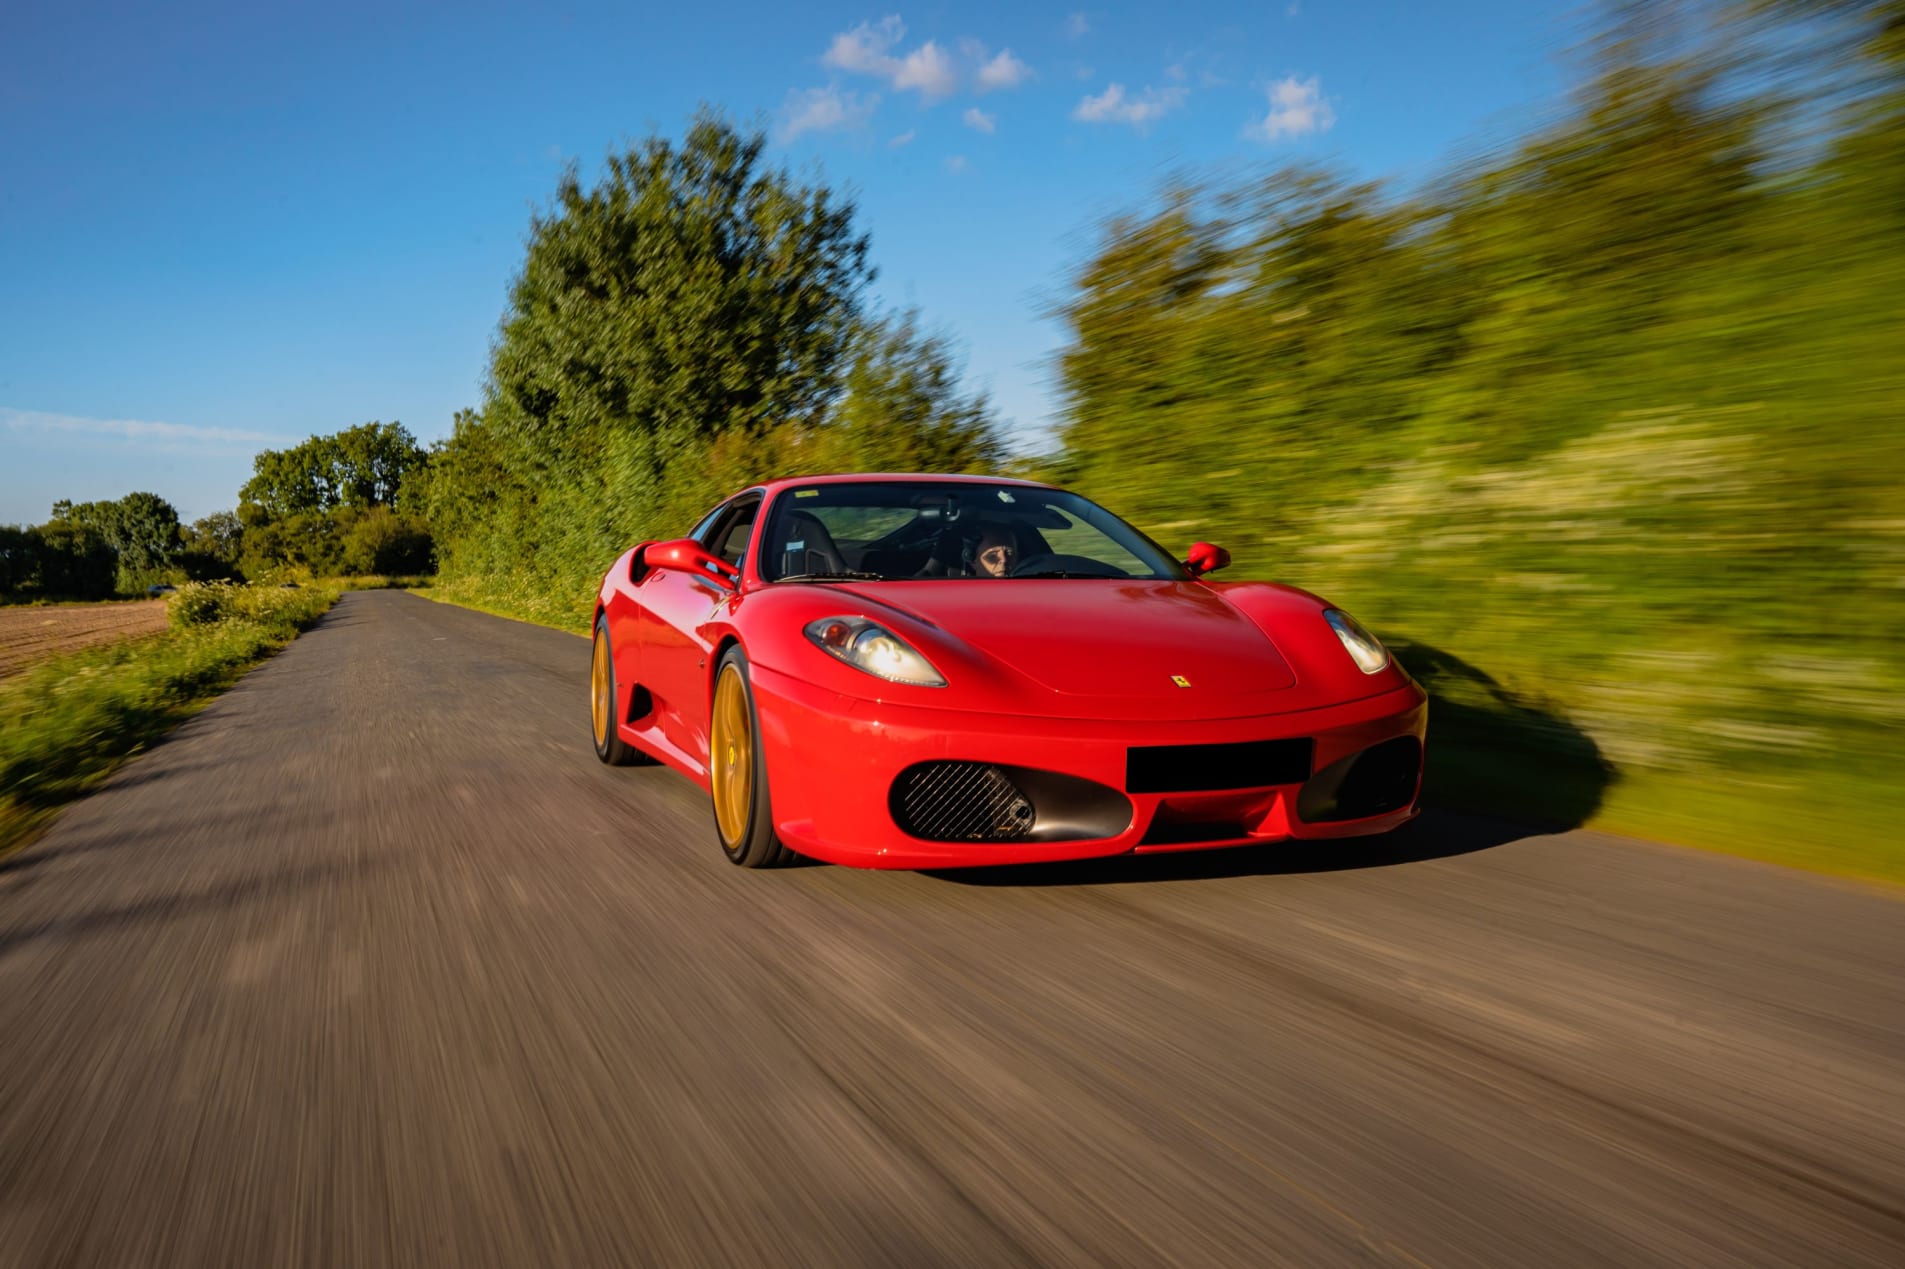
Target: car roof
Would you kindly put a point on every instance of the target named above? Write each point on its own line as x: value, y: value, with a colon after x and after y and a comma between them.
x: 772, y: 487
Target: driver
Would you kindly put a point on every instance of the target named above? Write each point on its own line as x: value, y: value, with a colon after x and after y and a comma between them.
x: 996, y: 553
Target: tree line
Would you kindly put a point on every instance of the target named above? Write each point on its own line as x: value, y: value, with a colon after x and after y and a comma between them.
x: 330, y: 506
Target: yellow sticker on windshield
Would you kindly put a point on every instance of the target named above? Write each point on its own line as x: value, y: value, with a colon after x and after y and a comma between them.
x: 806, y: 493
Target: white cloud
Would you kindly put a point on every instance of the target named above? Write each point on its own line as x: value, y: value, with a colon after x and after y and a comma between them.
x: 929, y: 70
x: 1076, y: 26
x: 1113, y: 106
x: 133, y: 429
x: 867, y: 50
x: 1297, y: 109
x: 956, y: 163
x: 1003, y: 71
x: 904, y: 138
x: 864, y: 48
x: 979, y: 121
x: 824, y: 110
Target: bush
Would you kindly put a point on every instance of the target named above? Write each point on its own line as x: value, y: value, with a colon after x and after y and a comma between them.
x: 273, y: 607
x: 200, y: 604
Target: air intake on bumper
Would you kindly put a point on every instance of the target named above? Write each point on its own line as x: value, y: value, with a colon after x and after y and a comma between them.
x: 1375, y: 781
x: 961, y: 802
x: 952, y: 801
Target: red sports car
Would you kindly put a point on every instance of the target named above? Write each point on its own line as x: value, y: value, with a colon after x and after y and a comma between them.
x: 933, y: 671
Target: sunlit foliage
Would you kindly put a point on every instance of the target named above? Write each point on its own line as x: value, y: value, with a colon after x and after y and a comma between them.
x: 1613, y: 417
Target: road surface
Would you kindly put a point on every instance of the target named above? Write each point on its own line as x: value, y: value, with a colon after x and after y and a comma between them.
x: 372, y: 963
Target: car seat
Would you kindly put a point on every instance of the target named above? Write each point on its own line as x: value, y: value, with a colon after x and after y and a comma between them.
x: 802, y: 545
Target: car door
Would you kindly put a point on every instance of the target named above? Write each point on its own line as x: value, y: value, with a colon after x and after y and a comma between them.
x: 624, y: 608
x: 674, y: 648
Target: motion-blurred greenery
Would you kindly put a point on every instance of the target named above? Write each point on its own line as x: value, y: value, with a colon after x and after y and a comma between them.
x: 1602, y: 429
x: 1615, y: 416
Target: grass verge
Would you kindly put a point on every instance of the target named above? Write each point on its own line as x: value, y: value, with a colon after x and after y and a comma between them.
x: 465, y: 593
x: 67, y: 722
x: 1822, y: 820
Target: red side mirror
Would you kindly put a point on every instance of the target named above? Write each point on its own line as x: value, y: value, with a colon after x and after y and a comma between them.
x: 685, y: 555
x: 1206, y: 558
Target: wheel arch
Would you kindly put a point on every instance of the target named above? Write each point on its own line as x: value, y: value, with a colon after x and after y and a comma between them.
x: 728, y: 639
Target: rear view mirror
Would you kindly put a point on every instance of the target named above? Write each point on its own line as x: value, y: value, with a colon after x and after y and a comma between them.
x: 1206, y: 558
x: 685, y: 555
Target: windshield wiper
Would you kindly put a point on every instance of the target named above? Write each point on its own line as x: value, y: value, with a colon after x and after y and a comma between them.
x: 844, y: 575
x: 1055, y: 572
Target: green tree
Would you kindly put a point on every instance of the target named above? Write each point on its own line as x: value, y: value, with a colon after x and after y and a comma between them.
x: 382, y: 541
x: 219, y: 535
x: 72, y: 561
x: 142, y: 530
x: 693, y: 293
x: 904, y: 408
x: 359, y: 467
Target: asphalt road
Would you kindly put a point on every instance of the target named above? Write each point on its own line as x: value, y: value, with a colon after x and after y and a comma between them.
x: 372, y: 963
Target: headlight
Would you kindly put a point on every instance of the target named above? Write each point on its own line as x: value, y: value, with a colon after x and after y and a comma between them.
x: 1364, y: 648
x: 867, y: 645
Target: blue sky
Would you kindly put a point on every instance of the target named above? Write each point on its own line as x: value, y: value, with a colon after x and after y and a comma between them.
x: 225, y: 227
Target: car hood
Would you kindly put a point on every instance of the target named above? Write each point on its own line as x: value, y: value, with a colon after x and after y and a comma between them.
x: 1178, y: 645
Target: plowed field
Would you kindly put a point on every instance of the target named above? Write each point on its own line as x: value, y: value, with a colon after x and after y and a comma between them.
x: 27, y: 634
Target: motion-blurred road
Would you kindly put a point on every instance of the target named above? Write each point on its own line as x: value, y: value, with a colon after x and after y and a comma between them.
x: 372, y: 963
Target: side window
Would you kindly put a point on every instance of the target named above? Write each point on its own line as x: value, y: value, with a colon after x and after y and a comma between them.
x: 700, y: 532
x: 732, y: 535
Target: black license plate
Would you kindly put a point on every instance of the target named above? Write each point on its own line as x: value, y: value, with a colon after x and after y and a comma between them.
x: 1251, y: 764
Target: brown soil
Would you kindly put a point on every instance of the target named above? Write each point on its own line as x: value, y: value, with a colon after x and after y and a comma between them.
x: 29, y: 633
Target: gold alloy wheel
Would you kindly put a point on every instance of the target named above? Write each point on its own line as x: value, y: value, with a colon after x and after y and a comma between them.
x: 731, y: 757
x: 601, y: 695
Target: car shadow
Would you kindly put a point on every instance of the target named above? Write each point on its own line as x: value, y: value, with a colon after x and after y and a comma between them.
x: 1435, y: 835
x: 1501, y: 767
x: 1497, y: 751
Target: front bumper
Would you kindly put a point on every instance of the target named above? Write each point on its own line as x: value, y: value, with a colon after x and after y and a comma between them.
x: 831, y: 761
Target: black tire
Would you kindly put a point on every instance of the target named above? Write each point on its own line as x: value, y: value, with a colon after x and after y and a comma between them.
x: 611, y: 748
x: 757, y: 845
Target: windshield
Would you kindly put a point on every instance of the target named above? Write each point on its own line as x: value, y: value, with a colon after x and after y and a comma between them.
x: 900, y: 530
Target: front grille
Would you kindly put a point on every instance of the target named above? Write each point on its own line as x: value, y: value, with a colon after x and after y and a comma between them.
x: 1253, y: 764
x: 960, y: 802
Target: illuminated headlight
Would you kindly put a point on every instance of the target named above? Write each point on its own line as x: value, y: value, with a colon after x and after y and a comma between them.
x: 1363, y: 648
x: 867, y: 645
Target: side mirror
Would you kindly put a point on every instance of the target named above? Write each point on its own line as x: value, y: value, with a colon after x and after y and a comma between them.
x: 685, y: 555
x: 1206, y: 558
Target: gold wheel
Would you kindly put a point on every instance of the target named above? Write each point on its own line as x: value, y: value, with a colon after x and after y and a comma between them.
x: 731, y: 757
x: 601, y: 693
